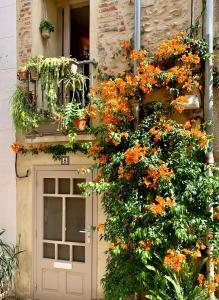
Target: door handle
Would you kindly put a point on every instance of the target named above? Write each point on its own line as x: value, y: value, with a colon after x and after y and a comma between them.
x: 88, y: 234
x: 84, y: 230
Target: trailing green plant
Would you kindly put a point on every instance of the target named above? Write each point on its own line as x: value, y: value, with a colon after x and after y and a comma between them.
x: 24, y: 114
x: 53, y: 73
x: 56, y: 151
x: 45, y: 24
x: 8, y: 264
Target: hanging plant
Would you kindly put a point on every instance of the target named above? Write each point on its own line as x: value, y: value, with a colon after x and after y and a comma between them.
x: 23, y: 110
x: 46, y: 27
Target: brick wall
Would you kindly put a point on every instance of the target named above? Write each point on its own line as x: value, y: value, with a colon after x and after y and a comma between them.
x: 24, y: 30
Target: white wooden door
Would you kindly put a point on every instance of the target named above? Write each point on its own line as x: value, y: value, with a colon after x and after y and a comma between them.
x: 63, y: 237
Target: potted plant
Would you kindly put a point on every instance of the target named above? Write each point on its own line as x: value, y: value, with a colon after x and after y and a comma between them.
x: 46, y: 27
x: 75, y: 116
x: 22, y: 73
x: 33, y: 65
x: 80, y: 120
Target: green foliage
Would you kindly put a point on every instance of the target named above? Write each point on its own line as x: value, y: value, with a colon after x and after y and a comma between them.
x: 128, y: 202
x: 23, y: 113
x: 72, y: 112
x: 52, y: 74
x: 169, y: 285
x: 56, y: 150
x: 45, y: 24
x: 8, y: 264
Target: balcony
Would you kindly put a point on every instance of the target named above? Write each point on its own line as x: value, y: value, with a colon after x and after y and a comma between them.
x: 56, y: 89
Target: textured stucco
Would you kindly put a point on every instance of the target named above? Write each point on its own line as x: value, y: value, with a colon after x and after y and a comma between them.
x: 7, y: 85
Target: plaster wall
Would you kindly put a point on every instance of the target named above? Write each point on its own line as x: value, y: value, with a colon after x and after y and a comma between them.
x: 7, y: 134
x: 44, y: 10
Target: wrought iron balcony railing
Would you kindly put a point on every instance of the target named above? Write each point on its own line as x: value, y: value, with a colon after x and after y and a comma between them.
x: 52, y: 83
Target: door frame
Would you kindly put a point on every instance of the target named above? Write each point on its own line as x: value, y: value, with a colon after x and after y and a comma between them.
x: 39, y: 168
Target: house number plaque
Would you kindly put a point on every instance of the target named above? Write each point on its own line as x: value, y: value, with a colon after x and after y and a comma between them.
x: 65, y: 160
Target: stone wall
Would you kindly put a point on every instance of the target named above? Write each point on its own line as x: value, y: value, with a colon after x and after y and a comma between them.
x: 24, y: 30
x: 159, y: 20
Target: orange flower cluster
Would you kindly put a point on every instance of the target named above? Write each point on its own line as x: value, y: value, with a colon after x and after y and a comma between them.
x: 125, y: 44
x: 175, y: 46
x: 179, y: 103
x: 174, y: 260
x: 116, y: 110
x: 190, y: 59
x: 103, y: 159
x: 111, y: 246
x: 118, y: 242
x: 158, y: 208
x: 93, y: 111
x: 154, y: 175
x: 203, y: 283
x: 216, y: 215
x: 132, y: 155
x: 17, y: 148
x: 138, y: 54
x: 94, y: 150
x: 148, y: 76
x: 100, y: 227
x: 167, y: 127
x: 201, y: 135
x: 156, y: 132
x: 145, y: 245
x: 125, y: 174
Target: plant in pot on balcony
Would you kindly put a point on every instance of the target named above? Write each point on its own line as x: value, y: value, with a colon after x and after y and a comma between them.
x: 33, y: 67
x: 46, y: 27
x: 74, y: 119
x: 24, y: 111
x: 22, y: 73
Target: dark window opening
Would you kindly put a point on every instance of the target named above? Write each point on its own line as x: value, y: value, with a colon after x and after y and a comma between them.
x: 80, y: 21
x: 80, y: 45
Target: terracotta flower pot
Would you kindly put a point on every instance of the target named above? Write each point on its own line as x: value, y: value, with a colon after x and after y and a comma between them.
x: 23, y: 75
x: 80, y: 124
x: 33, y: 74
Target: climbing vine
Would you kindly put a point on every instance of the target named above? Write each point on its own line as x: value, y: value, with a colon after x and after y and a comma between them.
x: 152, y: 176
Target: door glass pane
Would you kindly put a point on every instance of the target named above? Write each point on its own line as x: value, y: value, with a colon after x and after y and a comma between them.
x: 75, y: 219
x: 49, y: 185
x: 64, y: 185
x: 79, y: 253
x: 49, y: 250
x: 76, y: 189
x: 53, y: 218
x: 63, y: 252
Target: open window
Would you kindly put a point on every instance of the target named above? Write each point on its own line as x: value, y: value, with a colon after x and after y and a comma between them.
x: 79, y: 32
